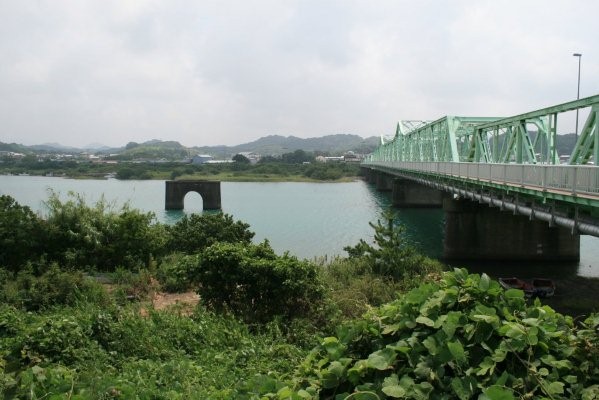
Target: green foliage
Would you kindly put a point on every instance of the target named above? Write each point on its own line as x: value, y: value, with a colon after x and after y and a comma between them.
x: 101, y: 353
x: 192, y: 234
x: 51, y: 288
x: 240, y: 158
x: 133, y: 172
x: 96, y: 236
x: 391, y: 256
x: 354, y: 289
x: 461, y: 338
x: 22, y: 234
x: 138, y: 285
x: 268, y: 169
x: 331, y: 171
x: 125, y: 173
x: 324, y: 172
x: 297, y: 157
x: 154, y: 150
x: 65, y: 340
x: 254, y: 283
x: 176, y: 272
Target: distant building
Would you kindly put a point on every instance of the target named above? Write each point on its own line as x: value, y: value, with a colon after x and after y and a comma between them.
x: 11, y: 154
x: 350, y: 156
x: 201, y: 159
x: 253, y: 157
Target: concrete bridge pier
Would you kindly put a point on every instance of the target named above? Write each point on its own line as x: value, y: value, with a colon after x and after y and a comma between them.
x: 410, y: 194
x: 176, y: 191
x: 475, y: 231
x: 369, y: 175
x: 384, y: 182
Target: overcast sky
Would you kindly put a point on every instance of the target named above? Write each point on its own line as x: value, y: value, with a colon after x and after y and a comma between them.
x: 228, y: 72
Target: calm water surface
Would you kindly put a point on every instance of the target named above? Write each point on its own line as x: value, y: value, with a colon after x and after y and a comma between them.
x: 307, y: 219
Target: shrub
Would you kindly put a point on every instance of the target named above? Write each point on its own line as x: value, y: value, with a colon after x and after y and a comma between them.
x: 462, y: 338
x: 391, y: 256
x: 21, y: 234
x: 176, y: 271
x: 254, y: 283
x: 53, y: 287
x: 192, y: 234
x: 63, y: 339
x: 80, y: 235
x: 354, y: 288
x: 134, y: 285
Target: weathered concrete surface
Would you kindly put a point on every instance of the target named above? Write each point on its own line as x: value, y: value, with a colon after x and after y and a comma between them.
x: 369, y: 175
x: 478, y: 232
x: 384, y: 182
x: 176, y: 191
x: 409, y: 194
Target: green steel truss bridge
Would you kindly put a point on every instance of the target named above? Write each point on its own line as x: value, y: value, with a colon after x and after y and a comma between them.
x: 511, y: 163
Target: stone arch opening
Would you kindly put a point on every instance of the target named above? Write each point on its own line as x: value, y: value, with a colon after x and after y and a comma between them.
x: 193, y: 201
x: 208, y: 190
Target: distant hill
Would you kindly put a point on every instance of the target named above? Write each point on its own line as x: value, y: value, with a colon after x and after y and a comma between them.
x: 273, y: 145
x: 53, y: 147
x: 277, y: 145
x: 154, y: 149
x: 566, y: 143
x: 14, y: 147
x: 173, y: 150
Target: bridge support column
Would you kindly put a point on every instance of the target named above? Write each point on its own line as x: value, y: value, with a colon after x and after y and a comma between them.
x: 176, y: 191
x: 384, y: 182
x: 369, y: 175
x: 410, y: 194
x: 478, y: 232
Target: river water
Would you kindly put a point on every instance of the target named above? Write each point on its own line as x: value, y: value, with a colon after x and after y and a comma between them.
x: 309, y: 220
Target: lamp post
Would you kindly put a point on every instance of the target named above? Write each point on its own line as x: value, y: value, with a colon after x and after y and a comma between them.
x: 579, y: 55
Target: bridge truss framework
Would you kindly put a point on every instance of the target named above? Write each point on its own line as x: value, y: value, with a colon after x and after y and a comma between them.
x: 510, y: 162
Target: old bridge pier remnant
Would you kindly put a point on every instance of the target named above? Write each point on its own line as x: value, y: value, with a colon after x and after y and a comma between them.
x: 176, y: 191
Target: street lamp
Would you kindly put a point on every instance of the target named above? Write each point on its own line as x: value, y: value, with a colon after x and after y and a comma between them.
x: 579, y: 55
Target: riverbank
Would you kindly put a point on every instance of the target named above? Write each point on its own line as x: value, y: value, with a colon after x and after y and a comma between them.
x: 223, y: 177
x: 573, y: 296
x: 233, y: 172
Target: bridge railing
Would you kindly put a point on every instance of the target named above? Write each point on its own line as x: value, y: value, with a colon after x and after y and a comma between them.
x: 570, y: 179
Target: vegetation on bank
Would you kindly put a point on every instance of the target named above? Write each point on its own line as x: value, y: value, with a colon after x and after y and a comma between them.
x: 296, y: 166
x: 76, y: 317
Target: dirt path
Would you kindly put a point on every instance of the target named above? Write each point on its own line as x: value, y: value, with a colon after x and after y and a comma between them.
x: 183, y: 302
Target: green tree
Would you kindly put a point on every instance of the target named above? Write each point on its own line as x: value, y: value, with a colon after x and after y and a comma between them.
x: 391, y: 255
x: 192, y: 234
x: 22, y: 234
x: 297, y: 157
x: 240, y: 158
x: 125, y: 173
x: 257, y: 285
x: 98, y: 236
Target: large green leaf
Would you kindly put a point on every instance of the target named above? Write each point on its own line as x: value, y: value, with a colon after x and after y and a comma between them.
x: 457, y: 351
x: 497, y: 393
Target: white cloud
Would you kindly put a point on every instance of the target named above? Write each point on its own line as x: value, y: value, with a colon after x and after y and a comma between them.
x: 227, y: 72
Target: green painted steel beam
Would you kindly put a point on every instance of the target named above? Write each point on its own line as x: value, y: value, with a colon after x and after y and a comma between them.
x: 569, y: 106
x: 589, y: 204
x: 493, y: 140
x: 587, y: 146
